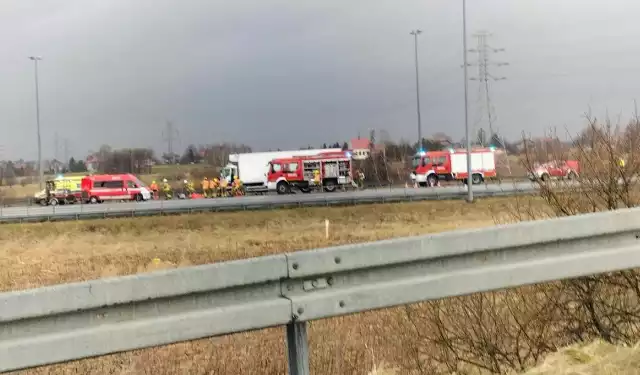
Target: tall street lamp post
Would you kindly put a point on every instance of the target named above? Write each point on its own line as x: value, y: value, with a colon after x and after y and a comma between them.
x: 466, y: 101
x: 35, y: 60
x: 415, y: 34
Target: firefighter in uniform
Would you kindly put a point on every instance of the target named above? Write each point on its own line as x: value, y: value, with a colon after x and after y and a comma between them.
x: 166, y: 189
x: 236, y: 187
x: 360, y: 179
x: 223, y: 187
x: 353, y: 180
x: 214, y: 187
x: 205, y: 187
x: 188, y: 188
x: 154, y: 189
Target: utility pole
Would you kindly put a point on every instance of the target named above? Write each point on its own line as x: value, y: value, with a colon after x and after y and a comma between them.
x: 466, y: 101
x: 35, y: 60
x: 56, y: 146
x: 3, y: 167
x: 66, y: 152
x: 415, y: 34
x: 169, y: 135
x: 484, y: 52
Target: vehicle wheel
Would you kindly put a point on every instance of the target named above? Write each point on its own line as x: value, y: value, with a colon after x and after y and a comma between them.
x: 138, y: 198
x: 283, y: 187
x: 545, y: 177
x: 94, y: 200
x: 572, y: 176
x: 432, y: 180
x: 476, y: 179
x: 53, y: 202
x: 330, y: 186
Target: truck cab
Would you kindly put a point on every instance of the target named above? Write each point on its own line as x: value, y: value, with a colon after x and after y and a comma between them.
x: 429, y: 167
x: 228, y: 172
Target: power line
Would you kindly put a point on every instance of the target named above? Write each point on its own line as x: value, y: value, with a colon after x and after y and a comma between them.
x: 56, y: 146
x: 66, y: 150
x: 485, y: 51
x: 169, y: 135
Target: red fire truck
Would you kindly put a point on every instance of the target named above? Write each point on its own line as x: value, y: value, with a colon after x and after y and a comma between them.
x: 326, y: 171
x: 451, y: 164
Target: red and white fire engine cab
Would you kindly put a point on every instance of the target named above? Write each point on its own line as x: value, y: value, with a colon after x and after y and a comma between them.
x: 105, y: 187
x: 557, y: 169
x: 447, y: 165
x: 326, y: 171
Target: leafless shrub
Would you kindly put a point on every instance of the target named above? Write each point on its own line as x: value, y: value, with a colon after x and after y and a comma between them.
x: 511, y: 330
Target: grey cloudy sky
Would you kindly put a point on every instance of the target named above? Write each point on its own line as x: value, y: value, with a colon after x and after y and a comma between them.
x: 274, y: 73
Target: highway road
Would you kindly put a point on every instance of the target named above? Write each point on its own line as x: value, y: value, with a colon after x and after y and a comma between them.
x: 87, y: 211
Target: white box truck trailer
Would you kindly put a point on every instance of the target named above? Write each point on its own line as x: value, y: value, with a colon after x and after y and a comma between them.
x: 252, y: 167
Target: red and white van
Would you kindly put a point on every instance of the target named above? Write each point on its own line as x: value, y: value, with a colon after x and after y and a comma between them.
x: 106, y: 187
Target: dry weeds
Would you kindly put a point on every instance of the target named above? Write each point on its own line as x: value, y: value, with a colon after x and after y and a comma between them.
x: 596, y: 358
x: 50, y: 253
x: 18, y: 191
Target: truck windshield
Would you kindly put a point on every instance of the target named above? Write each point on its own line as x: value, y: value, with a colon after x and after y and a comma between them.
x: 416, y: 161
x: 139, y: 183
x: 225, y: 173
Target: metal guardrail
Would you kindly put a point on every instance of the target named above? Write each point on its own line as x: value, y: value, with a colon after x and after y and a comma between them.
x: 79, y: 320
x: 151, y: 208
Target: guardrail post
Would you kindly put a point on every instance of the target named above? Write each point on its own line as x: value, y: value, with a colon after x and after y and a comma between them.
x: 298, y: 348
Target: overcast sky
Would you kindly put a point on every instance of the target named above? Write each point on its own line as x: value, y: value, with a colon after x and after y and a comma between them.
x: 281, y: 74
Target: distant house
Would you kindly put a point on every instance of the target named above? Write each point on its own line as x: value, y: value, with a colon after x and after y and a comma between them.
x: 92, y: 163
x: 361, y: 148
x: 53, y: 166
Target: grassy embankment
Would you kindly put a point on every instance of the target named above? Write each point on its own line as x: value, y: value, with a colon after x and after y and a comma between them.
x: 368, y: 343
x: 43, y: 254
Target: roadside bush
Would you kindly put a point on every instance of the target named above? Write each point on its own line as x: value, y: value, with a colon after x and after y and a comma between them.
x: 24, y: 181
x: 512, y: 330
x: 174, y: 176
x: 379, y: 171
x: 198, y: 174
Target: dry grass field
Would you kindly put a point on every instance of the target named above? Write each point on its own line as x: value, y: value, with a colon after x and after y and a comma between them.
x: 18, y: 191
x: 50, y: 253
x: 596, y: 358
x: 384, y: 342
